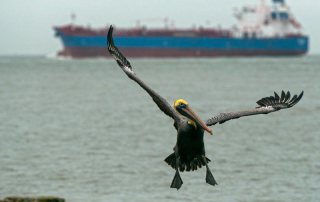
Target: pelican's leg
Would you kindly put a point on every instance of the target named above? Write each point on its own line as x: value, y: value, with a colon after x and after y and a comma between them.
x: 209, y: 177
x: 177, y: 181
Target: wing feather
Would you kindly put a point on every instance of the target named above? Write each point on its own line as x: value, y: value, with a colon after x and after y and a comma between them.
x: 266, y: 105
x: 287, y: 97
x: 276, y: 96
x: 127, y: 68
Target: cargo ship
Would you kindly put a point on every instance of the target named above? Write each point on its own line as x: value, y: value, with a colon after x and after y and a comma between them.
x: 262, y: 30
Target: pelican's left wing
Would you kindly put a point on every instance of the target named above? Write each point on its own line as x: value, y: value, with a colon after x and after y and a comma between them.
x: 126, y: 67
x: 266, y: 105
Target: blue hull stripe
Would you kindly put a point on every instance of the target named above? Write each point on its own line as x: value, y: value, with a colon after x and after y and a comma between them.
x: 274, y: 44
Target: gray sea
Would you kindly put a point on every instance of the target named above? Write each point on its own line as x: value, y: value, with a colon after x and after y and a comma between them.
x: 81, y: 130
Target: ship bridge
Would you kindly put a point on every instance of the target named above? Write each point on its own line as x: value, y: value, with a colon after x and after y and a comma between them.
x: 275, y: 20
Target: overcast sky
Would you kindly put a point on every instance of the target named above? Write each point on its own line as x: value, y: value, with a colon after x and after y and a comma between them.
x: 26, y: 25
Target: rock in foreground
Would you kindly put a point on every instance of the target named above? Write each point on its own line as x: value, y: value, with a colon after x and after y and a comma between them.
x: 33, y: 199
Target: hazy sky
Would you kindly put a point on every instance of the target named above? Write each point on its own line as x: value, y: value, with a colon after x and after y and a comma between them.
x: 26, y: 26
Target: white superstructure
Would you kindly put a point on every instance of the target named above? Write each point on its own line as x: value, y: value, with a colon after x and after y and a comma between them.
x: 264, y: 20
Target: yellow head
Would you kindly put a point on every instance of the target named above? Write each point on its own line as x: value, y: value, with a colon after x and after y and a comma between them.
x: 180, y: 103
x: 185, y: 110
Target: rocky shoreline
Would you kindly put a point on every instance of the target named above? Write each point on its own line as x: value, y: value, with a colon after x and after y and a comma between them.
x: 32, y: 199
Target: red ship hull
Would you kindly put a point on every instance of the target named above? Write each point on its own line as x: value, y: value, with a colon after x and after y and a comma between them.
x: 155, y: 52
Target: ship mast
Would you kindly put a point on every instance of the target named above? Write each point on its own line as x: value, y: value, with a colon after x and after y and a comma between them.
x: 73, y: 19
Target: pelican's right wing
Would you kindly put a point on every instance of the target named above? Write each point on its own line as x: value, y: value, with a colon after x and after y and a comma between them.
x: 266, y: 105
x: 126, y: 67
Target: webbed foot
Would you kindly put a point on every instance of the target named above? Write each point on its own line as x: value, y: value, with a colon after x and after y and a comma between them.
x: 209, y: 177
x: 177, y: 181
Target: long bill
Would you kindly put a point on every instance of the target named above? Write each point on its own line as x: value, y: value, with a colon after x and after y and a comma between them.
x: 196, y: 118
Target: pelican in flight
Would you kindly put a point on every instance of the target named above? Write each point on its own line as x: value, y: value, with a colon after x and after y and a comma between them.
x: 189, y: 152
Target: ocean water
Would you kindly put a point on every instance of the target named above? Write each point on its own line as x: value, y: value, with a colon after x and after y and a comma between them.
x: 80, y: 129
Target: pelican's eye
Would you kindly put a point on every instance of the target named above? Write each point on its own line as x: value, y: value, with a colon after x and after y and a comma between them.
x: 182, y: 105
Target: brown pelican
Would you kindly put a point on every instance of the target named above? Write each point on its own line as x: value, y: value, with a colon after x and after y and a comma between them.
x: 189, y: 153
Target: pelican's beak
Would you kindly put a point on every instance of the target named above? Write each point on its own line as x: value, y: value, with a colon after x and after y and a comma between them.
x: 196, y: 118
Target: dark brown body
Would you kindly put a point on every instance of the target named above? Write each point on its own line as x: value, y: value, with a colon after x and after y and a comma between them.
x: 189, y: 147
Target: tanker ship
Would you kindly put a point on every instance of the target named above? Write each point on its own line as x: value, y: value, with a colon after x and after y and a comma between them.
x: 262, y: 30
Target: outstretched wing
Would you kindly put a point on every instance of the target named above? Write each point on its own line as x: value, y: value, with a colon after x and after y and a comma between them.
x: 266, y: 105
x: 126, y: 67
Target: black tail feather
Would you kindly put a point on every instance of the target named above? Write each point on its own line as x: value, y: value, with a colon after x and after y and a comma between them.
x: 171, y: 160
x: 192, y: 165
